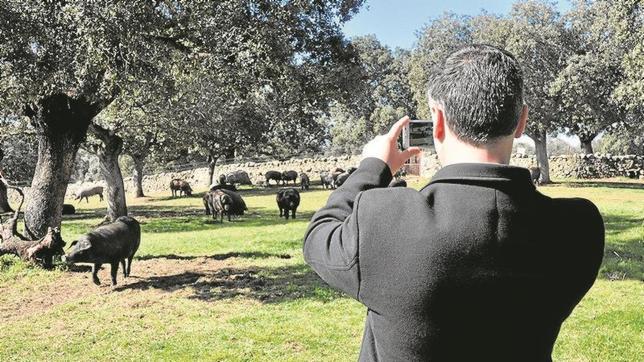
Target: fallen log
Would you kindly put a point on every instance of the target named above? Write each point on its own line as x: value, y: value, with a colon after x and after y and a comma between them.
x: 39, y: 251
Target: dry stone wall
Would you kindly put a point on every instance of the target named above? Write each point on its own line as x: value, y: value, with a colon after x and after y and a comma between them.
x: 569, y: 166
x: 198, y: 178
x: 591, y: 166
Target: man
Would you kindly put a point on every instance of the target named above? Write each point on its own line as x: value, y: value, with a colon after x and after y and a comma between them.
x: 477, y: 265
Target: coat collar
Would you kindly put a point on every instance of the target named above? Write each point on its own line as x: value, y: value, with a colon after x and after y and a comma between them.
x: 483, y: 173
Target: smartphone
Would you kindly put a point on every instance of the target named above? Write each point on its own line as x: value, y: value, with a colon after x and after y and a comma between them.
x: 418, y: 133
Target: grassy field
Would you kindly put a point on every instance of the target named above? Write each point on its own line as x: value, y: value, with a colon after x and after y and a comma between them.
x: 241, y: 291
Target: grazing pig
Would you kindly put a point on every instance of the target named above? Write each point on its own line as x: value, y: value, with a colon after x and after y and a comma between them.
x: 238, y: 177
x: 206, y: 203
x: 89, y: 191
x: 222, y: 179
x: 68, y: 209
x: 326, y: 180
x: 112, y: 243
x: 273, y: 175
x: 398, y: 183
x: 223, y: 187
x: 288, y: 200
x: 224, y: 202
x: 305, y: 182
x: 289, y: 176
x: 535, y: 175
x: 220, y: 204
x: 334, y: 176
x: 180, y: 187
x: 342, y: 178
x: 400, y: 173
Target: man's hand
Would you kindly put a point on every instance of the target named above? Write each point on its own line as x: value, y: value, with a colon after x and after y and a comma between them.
x: 385, y: 147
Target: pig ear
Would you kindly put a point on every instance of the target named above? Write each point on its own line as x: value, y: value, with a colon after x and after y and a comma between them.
x: 73, y: 243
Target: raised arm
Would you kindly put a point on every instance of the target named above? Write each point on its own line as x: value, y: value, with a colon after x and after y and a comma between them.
x: 331, y: 241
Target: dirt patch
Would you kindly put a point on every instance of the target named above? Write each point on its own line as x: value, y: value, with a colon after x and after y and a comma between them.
x: 203, y: 278
x: 33, y: 298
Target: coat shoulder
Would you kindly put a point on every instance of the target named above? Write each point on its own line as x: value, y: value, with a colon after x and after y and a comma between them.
x: 392, y: 200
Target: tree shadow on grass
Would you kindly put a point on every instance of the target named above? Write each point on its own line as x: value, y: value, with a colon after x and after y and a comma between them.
x: 267, y: 285
x: 623, y: 261
x: 607, y: 184
x: 623, y: 258
x: 255, y: 217
x: 85, y: 214
x: 245, y: 255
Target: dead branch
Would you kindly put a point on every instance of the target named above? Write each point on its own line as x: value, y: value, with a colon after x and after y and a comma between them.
x: 39, y: 251
x: 9, y: 229
x: 36, y: 251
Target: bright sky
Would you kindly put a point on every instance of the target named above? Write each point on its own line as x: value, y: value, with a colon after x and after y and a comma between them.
x: 395, y: 22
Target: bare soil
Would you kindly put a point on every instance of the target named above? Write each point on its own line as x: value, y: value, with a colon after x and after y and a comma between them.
x: 77, y: 283
x: 205, y: 278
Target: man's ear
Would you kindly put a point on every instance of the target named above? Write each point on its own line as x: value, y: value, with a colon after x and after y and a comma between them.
x: 523, y: 121
x: 439, y: 123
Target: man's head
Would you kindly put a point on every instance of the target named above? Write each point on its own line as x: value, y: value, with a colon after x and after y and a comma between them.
x: 476, y: 101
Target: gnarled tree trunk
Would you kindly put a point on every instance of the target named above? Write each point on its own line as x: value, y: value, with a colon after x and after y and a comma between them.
x: 212, y: 163
x: 137, y: 176
x: 4, y: 200
x: 540, y: 139
x: 61, y: 123
x: 108, y: 153
x: 587, y: 146
x: 586, y: 139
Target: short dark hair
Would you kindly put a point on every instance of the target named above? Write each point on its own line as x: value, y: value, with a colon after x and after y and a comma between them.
x: 481, y: 90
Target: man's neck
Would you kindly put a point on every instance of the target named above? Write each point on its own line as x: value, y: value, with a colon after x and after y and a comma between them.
x: 498, y: 153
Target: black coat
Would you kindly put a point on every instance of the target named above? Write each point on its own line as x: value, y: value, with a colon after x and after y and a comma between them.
x: 477, y: 265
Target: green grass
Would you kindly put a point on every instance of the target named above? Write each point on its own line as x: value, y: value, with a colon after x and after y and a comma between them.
x: 241, y: 291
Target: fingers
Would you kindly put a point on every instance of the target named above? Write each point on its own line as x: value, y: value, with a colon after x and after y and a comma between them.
x: 397, y: 128
x: 410, y: 152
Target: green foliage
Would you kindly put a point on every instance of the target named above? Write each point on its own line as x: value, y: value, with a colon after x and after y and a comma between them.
x: 383, y: 96
x: 622, y: 142
x: 600, y: 35
x: 19, y: 144
x: 88, y: 50
x: 441, y: 37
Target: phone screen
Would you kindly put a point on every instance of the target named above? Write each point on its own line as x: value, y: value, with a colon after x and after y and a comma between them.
x: 418, y: 134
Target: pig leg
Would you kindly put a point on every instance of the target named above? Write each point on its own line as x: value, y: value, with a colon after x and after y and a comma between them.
x: 124, y: 268
x: 95, y: 269
x: 281, y: 212
x: 129, y: 264
x: 113, y: 270
x: 294, y: 213
x: 286, y: 213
